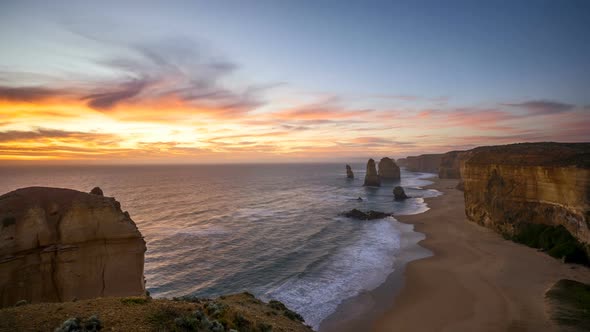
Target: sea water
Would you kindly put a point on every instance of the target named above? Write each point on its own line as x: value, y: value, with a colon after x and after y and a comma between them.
x: 273, y: 230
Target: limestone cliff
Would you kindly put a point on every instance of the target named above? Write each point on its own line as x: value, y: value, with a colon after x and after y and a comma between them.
x: 388, y: 169
x: 371, y: 177
x: 423, y: 163
x: 60, y: 244
x: 509, y: 187
x: 450, y: 165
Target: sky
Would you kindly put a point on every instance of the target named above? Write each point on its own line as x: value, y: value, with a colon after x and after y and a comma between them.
x: 287, y: 81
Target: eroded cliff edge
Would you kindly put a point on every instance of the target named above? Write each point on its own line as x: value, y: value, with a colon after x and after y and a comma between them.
x: 510, y: 187
x: 61, y: 244
x: 423, y: 163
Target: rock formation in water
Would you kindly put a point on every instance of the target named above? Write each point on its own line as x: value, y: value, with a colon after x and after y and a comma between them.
x: 371, y: 177
x: 450, y: 165
x: 399, y: 193
x: 349, y: 173
x: 388, y: 169
x: 508, y: 188
x: 423, y: 163
x: 369, y: 215
x: 59, y: 244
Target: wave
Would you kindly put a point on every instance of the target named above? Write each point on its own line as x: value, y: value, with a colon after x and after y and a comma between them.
x: 362, y: 265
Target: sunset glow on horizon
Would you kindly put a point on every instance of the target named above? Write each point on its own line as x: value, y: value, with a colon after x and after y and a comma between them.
x: 105, y: 90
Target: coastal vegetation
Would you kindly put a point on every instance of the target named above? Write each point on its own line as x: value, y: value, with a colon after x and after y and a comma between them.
x: 555, y: 240
x: 570, y: 302
x: 239, y: 312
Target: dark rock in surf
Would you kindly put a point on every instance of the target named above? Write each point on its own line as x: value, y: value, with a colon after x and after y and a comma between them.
x: 369, y: 215
x: 349, y: 173
x: 399, y: 193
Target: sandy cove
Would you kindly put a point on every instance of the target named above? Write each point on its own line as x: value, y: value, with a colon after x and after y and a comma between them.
x: 475, y: 281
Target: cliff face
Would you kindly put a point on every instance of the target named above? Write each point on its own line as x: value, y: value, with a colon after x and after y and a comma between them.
x: 508, y: 187
x: 423, y: 163
x: 371, y: 177
x: 450, y: 165
x: 61, y: 244
x: 388, y: 169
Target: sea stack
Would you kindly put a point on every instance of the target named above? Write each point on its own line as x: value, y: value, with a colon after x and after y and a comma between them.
x: 515, y: 188
x: 371, y: 177
x: 349, y: 173
x: 388, y: 169
x: 60, y: 244
x: 399, y: 193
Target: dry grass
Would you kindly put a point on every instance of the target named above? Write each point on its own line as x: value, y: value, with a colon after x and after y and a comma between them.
x: 240, y: 311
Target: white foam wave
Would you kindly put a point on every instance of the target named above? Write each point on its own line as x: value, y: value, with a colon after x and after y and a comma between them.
x: 361, y: 266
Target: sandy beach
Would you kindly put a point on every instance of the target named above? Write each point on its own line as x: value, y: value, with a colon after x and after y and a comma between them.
x: 474, y: 281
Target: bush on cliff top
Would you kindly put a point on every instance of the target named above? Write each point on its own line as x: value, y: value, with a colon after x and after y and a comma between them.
x: 555, y: 240
x: 92, y: 324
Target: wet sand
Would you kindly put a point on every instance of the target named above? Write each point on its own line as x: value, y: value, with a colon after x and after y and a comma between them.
x: 475, y: 281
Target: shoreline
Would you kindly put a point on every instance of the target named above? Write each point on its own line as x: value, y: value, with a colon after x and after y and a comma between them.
x: 475, y: 281
x: 358, y: 313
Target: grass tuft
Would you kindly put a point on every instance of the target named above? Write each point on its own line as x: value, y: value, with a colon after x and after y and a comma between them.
x: 135, y: 300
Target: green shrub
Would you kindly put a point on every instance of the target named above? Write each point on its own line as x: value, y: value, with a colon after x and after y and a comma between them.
x: 277, y: 305
x: 163, y: 318
x: 292, y: 315
x: 70, y: 325
x: 216, y: 327
x: 186, y: 323
x: 571, y: 302
x: 92, y: 324
x: 21, y: 303
x: 135, y: 300
x: 555, y: 240
x: 263, y: 327
x: 241, y: 323
x: 215, y: 309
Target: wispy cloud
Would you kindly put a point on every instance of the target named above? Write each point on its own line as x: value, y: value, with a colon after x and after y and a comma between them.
x: 42, y: 134
x: 29, y: 93
x: 542, y: 107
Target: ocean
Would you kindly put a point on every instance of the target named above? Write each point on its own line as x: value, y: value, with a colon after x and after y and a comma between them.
x: 273, y: 230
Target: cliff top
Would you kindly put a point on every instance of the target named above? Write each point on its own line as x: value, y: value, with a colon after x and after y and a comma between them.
x: 533, y: 154
x: 17, y: 202
x: 36, y: 217
x: 239, y: 311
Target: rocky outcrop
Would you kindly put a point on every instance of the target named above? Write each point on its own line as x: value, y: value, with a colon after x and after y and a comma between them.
x: 349, y: 173
x: 428, y: 163
x: 508, y: 188
x: 60, y: 244
x: 97, y: 191
x: 450, y: 164
x: 388, y: 169
x: 369, y: 215
x: 371, y: 177
x: 399, y: 193
x: 235, y: 312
